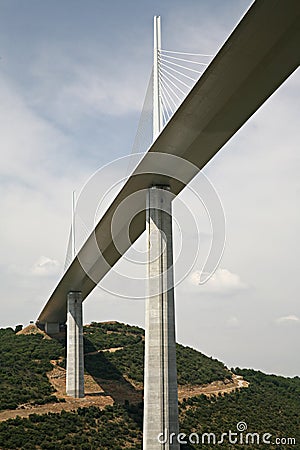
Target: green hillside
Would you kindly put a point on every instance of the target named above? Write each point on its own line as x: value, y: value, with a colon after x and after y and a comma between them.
x: 193, y: 367
x: 24, y: 362
x: 270, y: 404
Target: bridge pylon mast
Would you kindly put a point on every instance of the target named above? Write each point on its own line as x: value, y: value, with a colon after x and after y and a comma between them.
x: 73, y: 226
x: 157, y: 109
x: 75, y: 351
x: 160, y: 374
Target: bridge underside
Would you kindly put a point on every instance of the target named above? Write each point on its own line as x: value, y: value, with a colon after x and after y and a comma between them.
x: 257, y: 58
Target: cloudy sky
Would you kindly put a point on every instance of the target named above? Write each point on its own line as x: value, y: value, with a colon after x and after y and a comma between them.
x: 73, y: 76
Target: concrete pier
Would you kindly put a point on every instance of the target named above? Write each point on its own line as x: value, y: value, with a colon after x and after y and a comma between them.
x: 75, y: 357
x: 52, y: 328
x: 160, y: 373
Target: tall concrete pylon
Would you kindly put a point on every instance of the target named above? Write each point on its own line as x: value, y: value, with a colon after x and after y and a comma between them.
x: 160, y: 373
x: 75, y: 352
x: 75, y: 356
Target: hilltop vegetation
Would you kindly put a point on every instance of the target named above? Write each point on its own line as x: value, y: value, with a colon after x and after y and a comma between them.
x: 24, y: 362
x: 86, y: 429
x: 269, y: 405
x: 193, y: 367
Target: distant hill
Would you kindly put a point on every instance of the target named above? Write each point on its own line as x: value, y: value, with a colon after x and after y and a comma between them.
x: 213, y: 399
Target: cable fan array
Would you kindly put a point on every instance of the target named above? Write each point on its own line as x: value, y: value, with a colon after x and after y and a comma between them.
x: 81, y: 235
x: 178, y: 73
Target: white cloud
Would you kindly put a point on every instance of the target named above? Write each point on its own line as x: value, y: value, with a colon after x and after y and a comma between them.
x: 45, y: 266
x: 233, y: 322
x: 221, y: 282
x: 288, y: 319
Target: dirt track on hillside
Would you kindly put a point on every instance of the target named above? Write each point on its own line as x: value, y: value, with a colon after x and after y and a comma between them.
x: 100, y: 393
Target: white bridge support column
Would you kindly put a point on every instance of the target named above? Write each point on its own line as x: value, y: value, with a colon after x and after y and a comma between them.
x: 160, y: 373
x: 75, y: 357
x: 52, y: 328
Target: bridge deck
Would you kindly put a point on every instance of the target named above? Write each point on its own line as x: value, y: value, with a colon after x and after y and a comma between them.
x: 256, y: 59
